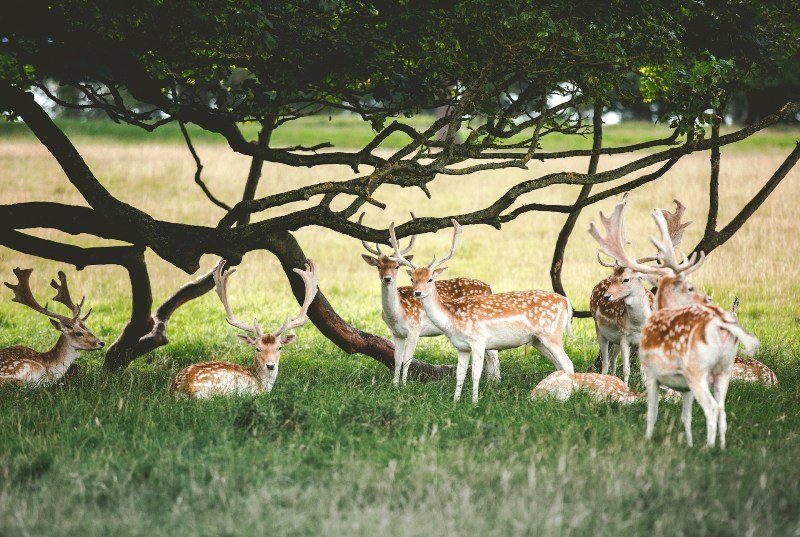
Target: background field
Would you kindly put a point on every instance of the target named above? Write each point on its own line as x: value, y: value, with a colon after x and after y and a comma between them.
x: 335, y: 448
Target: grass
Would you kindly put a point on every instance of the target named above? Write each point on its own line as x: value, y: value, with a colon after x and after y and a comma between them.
x: 335, y: 449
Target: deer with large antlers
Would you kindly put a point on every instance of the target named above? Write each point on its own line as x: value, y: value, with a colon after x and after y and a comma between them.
x: 687, y: 344
x: 25, y: 366
x: 474, y: 324
x: 225, y: 378
x: 405, y: 316
x: 620, y: 305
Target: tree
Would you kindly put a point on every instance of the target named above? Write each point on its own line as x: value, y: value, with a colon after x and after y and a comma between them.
x: 490, y: 68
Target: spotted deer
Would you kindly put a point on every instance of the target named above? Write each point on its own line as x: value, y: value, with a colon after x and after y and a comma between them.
x: 560, y: 385
x: 225, y: 378
x: 687, y: 344
x: 405, y: 316
x: 474, y: 324
x: 620, y: 305
x: 25, y: 366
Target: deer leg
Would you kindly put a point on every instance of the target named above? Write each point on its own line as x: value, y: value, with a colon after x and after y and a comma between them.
x: 652, y: 406
x: 604, y: 348
x: 686, y: 416
x: 408, y: 353
x: 492, y: 359
x: 477, y: 370
x: 554, y: 351
x: 625, y: 348
x: 613, y: 354
x: 399, y: 347
x: 461, y: 373
x: 699, y: 386
x: 720, y: 392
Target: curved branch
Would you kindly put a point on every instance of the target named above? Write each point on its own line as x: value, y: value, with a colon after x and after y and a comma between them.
x: 199, y: 169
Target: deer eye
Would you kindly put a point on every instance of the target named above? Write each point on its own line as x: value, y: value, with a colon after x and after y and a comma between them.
x: 626, y: 280
x: 690, y: 288
x: 429, y: 281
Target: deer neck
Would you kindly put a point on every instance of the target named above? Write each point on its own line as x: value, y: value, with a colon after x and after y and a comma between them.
x: 60, y: 357
x: 638, y: 307
x: 390, y: 302
x: 439, y: 314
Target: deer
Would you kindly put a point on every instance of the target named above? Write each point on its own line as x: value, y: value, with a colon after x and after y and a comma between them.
x: 560, y: 385
x: 474, y: 324
x: 620, y: 305
x: 405, y: 316
x: 687, y: 344
x: 210, y: 379
x: 26, y: 367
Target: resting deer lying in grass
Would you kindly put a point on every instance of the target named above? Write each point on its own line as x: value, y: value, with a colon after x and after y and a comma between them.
x: 620, y: 304
x: 405, y: 316
x: 474, y: 324
x: 225, y: 378
x: 25, y: 366
x: 561, y: 384
x: 686, y: 345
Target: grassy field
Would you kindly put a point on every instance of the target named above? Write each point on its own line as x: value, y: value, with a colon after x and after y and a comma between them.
x: 335, y: 449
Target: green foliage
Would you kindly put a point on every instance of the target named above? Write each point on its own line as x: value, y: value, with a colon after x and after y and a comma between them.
x: 273, y: 62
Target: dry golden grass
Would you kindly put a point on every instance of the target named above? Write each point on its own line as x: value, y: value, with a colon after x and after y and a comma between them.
x: 757, y: 264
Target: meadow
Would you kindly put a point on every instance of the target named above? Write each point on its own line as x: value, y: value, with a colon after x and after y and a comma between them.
x: 335, y: 449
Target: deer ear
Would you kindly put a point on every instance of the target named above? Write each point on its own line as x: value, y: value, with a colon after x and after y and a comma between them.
x: 288, y: 338
x: 57, y: 325
x: 370, y: 260
x: 409, y: 257
x: 439, y: 271
x: 410, y: 272
x: 248, y: 339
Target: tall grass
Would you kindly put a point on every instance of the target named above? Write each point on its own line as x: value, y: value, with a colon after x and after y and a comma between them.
x: 335, y: 449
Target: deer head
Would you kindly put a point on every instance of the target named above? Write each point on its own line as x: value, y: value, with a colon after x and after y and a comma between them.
x: 73, y: 327
x: 674, y: 288
x: 268, y: 346
x: 387, y: 267
x: 422, y: 278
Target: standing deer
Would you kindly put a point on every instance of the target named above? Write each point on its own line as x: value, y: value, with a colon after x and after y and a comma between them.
x: 686, y: 344
x: 225, y: 378
x: 474, y: 324
x: 25, y: 366
x: 620, y: 304
x: 405, y: 316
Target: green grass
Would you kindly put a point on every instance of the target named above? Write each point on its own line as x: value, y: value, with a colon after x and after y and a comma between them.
x: 336, y: 450
x: 351, y: 132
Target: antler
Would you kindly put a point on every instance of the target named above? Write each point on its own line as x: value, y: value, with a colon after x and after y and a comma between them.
x: 606, y: 264
x: 613, y: 245
x: 24, y: 296
x: 221, y: 287
x: 666, y: 249
x: 399, y: 255
x: 63, y: 296
x: 310, y: 279
x: 456, y: 240
x: 377, y: 249
x: 675, y: 227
